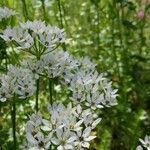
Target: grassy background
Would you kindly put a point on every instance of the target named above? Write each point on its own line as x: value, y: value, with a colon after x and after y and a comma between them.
x: 114, y: 36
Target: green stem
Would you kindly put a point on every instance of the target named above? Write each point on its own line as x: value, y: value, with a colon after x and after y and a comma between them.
x: 117, y: 69
x: 6, y: 63
x: 50, y: 91
x: 60, y: 14
x: 44, y: 10
x: 25, y: 12
x: 37, y: 95
x: 14, y: 123
x: 61, y: 21
x: 98, y: 26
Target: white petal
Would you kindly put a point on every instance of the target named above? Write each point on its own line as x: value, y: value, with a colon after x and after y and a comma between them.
x: 79, y: 109
x: 89, y: 138
x: 139, y: 148
x: 46, y: 128
x: 96, y: 122
x: 71, y: 139
x: 59, y: 133
x: 31, y: 139
x: 86, y: 132
x: 60, y: 147
x: 68, y: 146
x: 55, y: 141
x: 78, y: 123
x: 86, y: 144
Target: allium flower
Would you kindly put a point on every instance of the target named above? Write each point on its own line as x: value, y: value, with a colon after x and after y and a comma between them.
x: 7, y: 84
x: 62, y: 116
x: 18, y: 81
x: 35, y: 137
x: 144, y: 143
x: 18, y: 35
x: 91, y: 88
x: 47, y: 35
x: 30, y: 34
x: 35, y: 66
x: 36, y: 26
x: 67, y: 128
x: 58, y: 63
x: 6, y: 13
x: 25, y: 84
x: 139, y: 148
x: 51, y: 37
x: 83, y: 138
x: 64, y: 139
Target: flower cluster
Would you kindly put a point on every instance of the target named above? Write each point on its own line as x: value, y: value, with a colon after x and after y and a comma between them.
x: 37, y: 35
x: 71, y: 126
x: 67, y: 128
x: 18, y: 81
x: 90, y: 88
x: 144, y: 143
x: 6, y: 13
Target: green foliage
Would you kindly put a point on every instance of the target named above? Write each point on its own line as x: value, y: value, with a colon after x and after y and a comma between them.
x: 115, y: 37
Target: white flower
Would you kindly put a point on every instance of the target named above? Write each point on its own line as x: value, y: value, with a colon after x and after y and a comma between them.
x: 57, y: 63
x: 7, y: 84
x: 109, y: 94
x: 38, y: 140
x: 83, y: 138
x: 139, y: 148
x: 146, y: 142
x: 62, y: 116
x: 94, y: 100
x: 18, y: 81
x: 48, y: 36
x: 35, y: 66
x: 34, y: 135
x: 64, y: 139
x: 6, y: 13
x: 25, y: 84
x: 18, y: 35
x: 91, y: 88
x: 36, y: 26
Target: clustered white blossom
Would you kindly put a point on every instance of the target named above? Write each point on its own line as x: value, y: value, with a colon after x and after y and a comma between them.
x: 68, y: 127
x: 6, y: 13
x: 18, y: 81
x: 37, y: 35
x: 144, y: 143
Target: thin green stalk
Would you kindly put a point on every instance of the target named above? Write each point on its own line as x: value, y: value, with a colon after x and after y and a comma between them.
x: 37, y: 95
x: 61, y: 20
x: 50, y: 91
x: 44, y: 10
x: 98, y: 25
x: 113, y: 45
x: 60, y: 13
x: 124, y: 53
x: 6, y: 63
x: 14, y: 122
x: 141, y: 35
x: 124, y: 41
x: 25, y: 12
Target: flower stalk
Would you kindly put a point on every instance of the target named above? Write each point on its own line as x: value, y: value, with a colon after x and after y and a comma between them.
x: 61, y: 20
x: 14, y: 122
x: 25, y: 12
x: 50, y: 91
x: 44, y: 10
x: 37, y: 95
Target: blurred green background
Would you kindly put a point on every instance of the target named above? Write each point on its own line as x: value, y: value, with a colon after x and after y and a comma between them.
x: 115, y: 34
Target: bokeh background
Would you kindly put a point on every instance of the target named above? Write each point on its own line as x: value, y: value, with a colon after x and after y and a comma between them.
x: 115, y: 34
